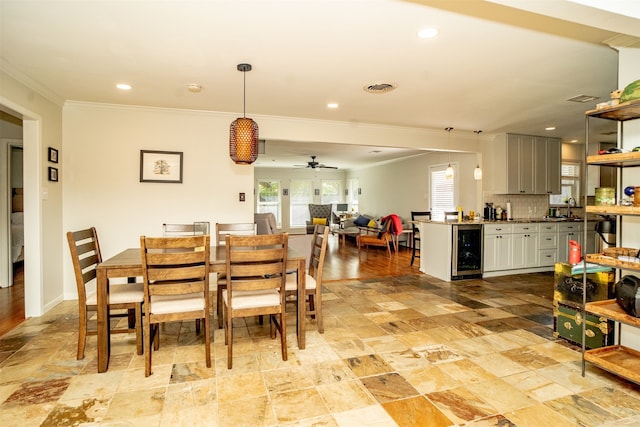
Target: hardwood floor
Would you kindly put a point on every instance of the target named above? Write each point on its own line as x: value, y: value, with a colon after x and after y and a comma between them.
x: 12, y: 302
x: 342, y: 262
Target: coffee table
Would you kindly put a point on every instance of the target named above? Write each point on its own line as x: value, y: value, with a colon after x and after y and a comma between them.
x: 342, y: 232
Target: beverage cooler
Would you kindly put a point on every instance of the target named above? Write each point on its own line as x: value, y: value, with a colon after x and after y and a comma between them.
x: 466, y: 256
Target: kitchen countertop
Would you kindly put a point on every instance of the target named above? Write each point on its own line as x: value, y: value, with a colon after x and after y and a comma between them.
x: 513, y: 221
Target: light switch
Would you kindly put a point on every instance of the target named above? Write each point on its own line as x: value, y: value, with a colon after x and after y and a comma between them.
x: 242, y: 197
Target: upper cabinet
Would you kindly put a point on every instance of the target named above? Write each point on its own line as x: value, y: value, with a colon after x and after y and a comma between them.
x: 528, y: 164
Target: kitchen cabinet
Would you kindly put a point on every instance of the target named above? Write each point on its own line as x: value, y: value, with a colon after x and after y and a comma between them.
x: 548, y: 245
x: 497, y: 247
x: 547, y: 165
x: 617, y: 359
x: 524, y: 243
x: 528, y: 164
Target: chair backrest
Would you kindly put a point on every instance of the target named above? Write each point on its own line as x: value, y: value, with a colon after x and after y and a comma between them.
x: 320, y: 211
x: 85, y: 254
x: 256, y: 262
x: 175, y: 265
x: 233, y: 229
x: 265, y: 223
x: 318, y: 251
x: 416, y: 215
x: 198, y: 228
x: 451, y: 215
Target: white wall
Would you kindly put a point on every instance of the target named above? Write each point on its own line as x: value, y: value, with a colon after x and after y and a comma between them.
x: 101, y: 171
x: 403, y: 186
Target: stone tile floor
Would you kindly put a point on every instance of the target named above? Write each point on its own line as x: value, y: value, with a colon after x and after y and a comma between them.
x: 398, y: 351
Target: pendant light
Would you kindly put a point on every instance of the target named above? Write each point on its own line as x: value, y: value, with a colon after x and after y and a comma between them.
x: 448, y: 174
x: 243, y: 135
x: 477, y: 172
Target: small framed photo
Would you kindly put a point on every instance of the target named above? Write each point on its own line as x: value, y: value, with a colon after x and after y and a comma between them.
x: 53, y: 155
x: 53, y: 174
x: 316, y: 191
x: 285, y: 191
x: 161, y: 166
x: 359, y: 191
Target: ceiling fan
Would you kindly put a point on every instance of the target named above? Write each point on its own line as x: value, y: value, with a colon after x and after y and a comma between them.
x: 316, y: 165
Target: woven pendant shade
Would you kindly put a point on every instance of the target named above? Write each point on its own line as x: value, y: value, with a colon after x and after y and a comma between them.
x: 243, y: 141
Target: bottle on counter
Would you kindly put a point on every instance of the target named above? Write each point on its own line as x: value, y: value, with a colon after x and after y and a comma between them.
x: 459, y: 213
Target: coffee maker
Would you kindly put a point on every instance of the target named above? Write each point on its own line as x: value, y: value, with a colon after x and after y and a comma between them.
x: 489, y: 212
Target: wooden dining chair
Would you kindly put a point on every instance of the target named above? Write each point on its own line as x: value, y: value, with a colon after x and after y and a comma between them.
x: 176, y: 286
x: 222, y: 231
x: 256, y: 270
x: 415, y: 244
x: 85, y: 254
x: 380, y: 238
x: 313, y: 277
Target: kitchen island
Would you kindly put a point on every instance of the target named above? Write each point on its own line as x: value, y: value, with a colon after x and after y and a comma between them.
x: 508, y: 247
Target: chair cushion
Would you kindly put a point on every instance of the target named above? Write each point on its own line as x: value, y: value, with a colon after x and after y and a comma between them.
x: 164, y: 304
x: 253, y: 299
x: 121, y: 294
x: 292, y: 282
x: 319, y: 221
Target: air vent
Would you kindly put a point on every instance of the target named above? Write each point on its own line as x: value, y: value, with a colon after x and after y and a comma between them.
x: 380, y: 87
x: 583, y: 98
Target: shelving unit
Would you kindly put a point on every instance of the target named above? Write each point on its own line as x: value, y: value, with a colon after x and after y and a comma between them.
x: 617, y: 359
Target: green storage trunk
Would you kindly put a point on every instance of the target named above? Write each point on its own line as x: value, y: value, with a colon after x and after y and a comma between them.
x: 568, y: 284
x: 568, y: 325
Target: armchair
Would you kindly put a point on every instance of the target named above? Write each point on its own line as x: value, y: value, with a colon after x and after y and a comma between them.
x: 266, y: 223
x: 317, y: 213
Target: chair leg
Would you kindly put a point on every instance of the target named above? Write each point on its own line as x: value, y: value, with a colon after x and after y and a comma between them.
x: 219, y: 307
x: 138, y: 325
x: 197, y: 326
x: 147, y: 353
x: 229, y: 337
x: 82, y: 331
x: 207, y: 340
x: 283, y: 334
x: 312, y: 306
x: 318, y: 309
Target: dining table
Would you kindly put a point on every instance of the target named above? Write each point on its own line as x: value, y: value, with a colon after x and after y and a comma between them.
x: 128, y: 263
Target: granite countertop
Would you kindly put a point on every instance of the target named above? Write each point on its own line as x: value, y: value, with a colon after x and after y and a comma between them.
x: 513, y: 221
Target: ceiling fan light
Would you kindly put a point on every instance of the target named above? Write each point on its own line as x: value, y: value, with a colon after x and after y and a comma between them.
x: 477, y: 173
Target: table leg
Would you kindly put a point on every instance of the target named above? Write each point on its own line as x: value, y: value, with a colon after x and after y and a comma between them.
x: 104, y: 344
x: 301, y: 320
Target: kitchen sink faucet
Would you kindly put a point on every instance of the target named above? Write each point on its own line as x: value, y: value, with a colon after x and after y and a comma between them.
x: 569, y: 202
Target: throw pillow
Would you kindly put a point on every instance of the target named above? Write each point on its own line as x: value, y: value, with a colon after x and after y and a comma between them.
x: 371, y: 224
x: 319, y: 221
x: 361, y: 221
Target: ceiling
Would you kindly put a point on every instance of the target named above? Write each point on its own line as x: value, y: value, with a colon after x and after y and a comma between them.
x: 492, y: 67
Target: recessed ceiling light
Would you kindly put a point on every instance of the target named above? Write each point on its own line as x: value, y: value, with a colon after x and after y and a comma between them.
x: 427, y: 33
x: 123, y: 86
x: 332, y: 105
x: 574, y: 140
x: 194, y: 88
x: 550, y: 128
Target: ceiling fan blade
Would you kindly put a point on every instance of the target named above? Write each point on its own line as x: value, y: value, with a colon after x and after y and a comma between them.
x: 328, y: 167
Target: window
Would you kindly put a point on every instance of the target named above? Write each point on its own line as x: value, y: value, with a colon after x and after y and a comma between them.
x: 268, y: 199
x: 331, y: 191
x: 300, y: 195
x: 570, y: 184
x: 444, y: 196
x: 352, y: 194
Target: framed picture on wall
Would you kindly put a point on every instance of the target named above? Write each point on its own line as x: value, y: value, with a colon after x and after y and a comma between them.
x: 285, y: 191
x: 161, y: 166
x: 53, y: 174
x: 316, y: 191
x: 53, y: 155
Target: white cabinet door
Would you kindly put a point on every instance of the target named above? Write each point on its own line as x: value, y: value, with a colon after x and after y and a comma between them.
x: 525, y: 250
x: 548, y: 161
x: 520, y: 164
x: 497, y: 252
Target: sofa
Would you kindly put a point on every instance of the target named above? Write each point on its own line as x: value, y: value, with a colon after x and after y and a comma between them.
x: 366, y: 223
